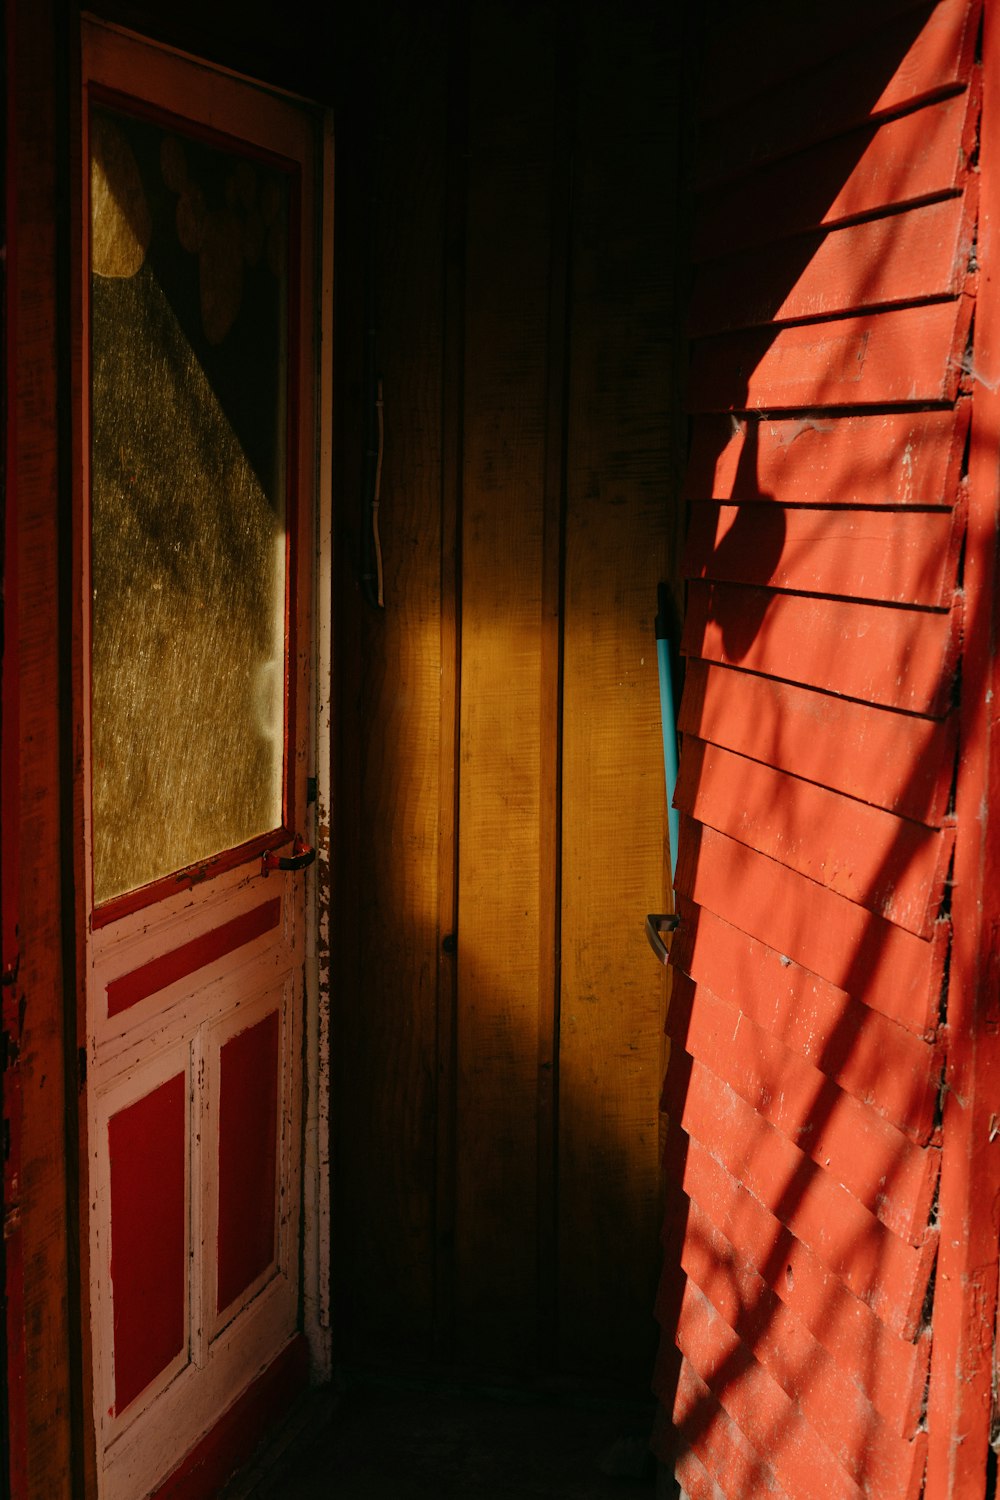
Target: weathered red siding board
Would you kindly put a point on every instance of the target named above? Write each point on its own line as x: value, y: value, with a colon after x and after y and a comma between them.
x: 891, y: 1176
x: 900, y: 762
x: 890, y: 458
x: 797, y: 38
x: 902, y: 658
x: 891, y: 866
x: 835, y: 288
x: 913, y: 354
x: 873, y: 1455
x: 889, y: 556
x: 803, y: 1463
x: 697, y: 1482
x: 878, y: 1062
x: 876, y: 1265
x: 722, y: 1448
x: 897, y: 67
x: 890, y: 1369
x: 890, y: 164
x: 892, y: 971
x: 899, y: 258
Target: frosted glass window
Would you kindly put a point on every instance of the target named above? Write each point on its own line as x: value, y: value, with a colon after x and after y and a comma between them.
x: 189, y: 292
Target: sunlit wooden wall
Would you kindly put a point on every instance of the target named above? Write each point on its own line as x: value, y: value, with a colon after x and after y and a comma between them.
x: 497, y: 1185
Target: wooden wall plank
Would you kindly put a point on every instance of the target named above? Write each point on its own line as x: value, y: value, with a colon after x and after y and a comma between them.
x: 892, y: 971
x: 891, y: 1176
x: 875, y: 1457
x: 506, y: 323
x: 902, y: 557
x: 874, y: 1263
x: 907, y: 659
x: 912, y: 354
x: 897, y: 761
x: 898, y: 66
x: 880, y: 1063
x: 888, y: 865
x: 890, y: 1369
x: 390, y: 716
x: 803, y: 1464
x: 49, y: 1181
x: 886, y: 164
x: 894, y: 259
x: 888, y: 459
x: 722, y: 1448
x: 617, y: 548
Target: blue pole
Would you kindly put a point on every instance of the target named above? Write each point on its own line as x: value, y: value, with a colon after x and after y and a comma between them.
x: 668, y: 720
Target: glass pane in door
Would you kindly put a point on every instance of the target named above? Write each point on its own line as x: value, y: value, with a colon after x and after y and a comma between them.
x: 189, y: 320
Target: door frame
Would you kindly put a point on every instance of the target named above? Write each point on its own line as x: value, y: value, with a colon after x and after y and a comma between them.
x: 314, y: 552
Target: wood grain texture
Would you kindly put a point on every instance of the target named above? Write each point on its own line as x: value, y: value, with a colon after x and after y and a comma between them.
x: 900, y: 762
x: 907, y: 659
x: 618, y: 458
x: 890, y: 866
x: 878, y: 1266
x: 888, y: 164
x: 888, y: 459
x: 889, y: 1174
x: 914, y: 57
x: 47, y: 1093
x: 886, y: 1067
x: 390, y: 725
x: 892, y: 971
x: 506, y: 323
x: 890, y: 1369
x: 895, y: 259
x: 902, y: 557
x: 912, y: 354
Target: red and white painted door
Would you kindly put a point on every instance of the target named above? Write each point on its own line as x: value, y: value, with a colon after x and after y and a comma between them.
x: 199, y: 420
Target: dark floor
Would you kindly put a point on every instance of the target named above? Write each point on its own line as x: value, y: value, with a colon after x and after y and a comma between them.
x: 378, y: 1441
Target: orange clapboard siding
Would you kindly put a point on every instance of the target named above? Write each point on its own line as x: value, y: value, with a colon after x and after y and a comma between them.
x: 889, y: 1368
x: 898, y: 66
x: 889, y: 164
x: 891, y: 458
x: 872, y: 1454
x: 902, y: 658
x: 890, y: 1175
x: 724, y: 1451
x: 888, y: 865
x: 769, y: 1417
x: 903, y: 556
x: 877, y: 1265
x: 698, y: 1484
x: 893, y: 971
x: 884, y: 261
x: 911, y: 354
x: 895, y: 761
x: 878, y: 1062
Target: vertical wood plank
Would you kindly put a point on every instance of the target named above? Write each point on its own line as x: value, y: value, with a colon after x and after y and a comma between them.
x: 34, y: 470
x: 613, y: 829
x: 389, y: 796
x: 510, y: 145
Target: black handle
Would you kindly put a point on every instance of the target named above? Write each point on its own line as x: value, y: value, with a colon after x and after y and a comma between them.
x: 301, y: 857
x: 655, y: 925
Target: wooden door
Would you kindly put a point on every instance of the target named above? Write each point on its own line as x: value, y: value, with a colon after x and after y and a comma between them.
x: 199, y: 456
